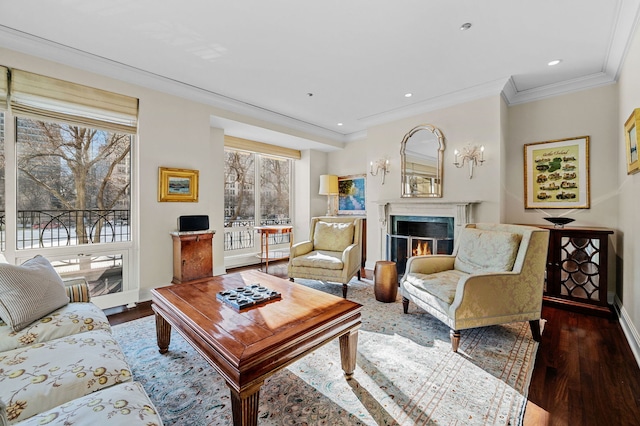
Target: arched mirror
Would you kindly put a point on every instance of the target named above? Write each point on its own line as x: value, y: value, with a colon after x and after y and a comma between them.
x: 422, y: 153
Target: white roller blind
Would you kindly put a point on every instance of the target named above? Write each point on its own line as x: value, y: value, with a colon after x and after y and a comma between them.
x: 44, y: 97
x: 261, y: 147
x: 4, y: 87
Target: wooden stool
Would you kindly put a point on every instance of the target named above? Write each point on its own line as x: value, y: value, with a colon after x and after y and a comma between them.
x: 385, y: 281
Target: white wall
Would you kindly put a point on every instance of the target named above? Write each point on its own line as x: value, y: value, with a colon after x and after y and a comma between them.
x: 628, y: 236
x: 590, y: 113
x: 476, y: 122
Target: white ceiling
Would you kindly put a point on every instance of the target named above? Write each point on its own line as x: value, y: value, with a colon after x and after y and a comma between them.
x: 357, y: 58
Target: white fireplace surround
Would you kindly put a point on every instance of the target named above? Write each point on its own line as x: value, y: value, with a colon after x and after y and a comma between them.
x: 461, y: 211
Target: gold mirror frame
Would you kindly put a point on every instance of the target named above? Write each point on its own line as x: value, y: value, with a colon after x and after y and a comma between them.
x: 422, y: 180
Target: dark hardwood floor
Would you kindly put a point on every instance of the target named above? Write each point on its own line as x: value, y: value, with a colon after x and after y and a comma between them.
x: 585, y: 372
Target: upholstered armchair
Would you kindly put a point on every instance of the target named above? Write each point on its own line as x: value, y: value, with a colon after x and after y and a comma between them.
x: 333, y: 252
x: 494, y: 276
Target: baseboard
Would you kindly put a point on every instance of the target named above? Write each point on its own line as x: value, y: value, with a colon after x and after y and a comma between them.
x: 629, y: 330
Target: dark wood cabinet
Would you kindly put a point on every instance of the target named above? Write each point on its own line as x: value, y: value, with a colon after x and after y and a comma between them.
x: 192, y: 256
x: 577, y: 269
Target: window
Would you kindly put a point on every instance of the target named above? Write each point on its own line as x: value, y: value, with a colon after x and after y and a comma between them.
x: 69, y: 163
x: 269, y: 200
x: 2, y: 185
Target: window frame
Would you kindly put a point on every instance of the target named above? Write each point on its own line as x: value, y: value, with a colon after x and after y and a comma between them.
x: 129, y: 295
x: 247, y: 256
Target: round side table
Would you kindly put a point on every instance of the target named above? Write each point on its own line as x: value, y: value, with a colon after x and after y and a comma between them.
x: 385, y: 281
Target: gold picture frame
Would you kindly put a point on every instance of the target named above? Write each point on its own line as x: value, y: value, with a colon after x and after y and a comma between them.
x: 556, y: 174
x: 177, y: 184
x: 632, y: 140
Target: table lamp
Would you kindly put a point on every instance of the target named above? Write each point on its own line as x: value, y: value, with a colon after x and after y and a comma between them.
x: 329, y: 187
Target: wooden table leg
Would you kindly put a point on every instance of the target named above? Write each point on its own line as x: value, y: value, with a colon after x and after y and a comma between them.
x: 163, y: 333
x: 244, y: 405
x: 348, y: 350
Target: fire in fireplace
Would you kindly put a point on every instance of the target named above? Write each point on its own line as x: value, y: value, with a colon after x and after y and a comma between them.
x: 418, y: 235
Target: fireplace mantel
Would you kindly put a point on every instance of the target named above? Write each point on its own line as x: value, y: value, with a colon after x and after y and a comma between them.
x: 461, y: 211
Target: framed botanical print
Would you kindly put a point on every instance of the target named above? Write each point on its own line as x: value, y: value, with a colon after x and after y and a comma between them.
x: 556, y: 174
x: 632, y: 139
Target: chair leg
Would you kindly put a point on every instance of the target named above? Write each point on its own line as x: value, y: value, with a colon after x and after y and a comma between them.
x: 535, y: 330
x: 344, y: 291
x: 405, y: 305
x: 455, y: 339
x: 359, y: 276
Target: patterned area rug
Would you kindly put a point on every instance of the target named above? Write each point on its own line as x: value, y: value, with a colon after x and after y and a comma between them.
x: 406, y: 374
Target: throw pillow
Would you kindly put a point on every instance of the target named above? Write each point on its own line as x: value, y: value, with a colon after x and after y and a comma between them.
x: 29, y: 291
x: 334, y: 236
x: 486, y: 251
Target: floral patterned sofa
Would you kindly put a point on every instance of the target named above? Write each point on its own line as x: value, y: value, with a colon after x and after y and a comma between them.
x: 64, y: 367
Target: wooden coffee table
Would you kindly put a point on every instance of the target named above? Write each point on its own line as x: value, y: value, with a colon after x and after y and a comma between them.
x: 248, y: 346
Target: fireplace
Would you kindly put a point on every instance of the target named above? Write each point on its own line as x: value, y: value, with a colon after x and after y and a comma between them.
x: 418, y: 235
x: 409, y: 226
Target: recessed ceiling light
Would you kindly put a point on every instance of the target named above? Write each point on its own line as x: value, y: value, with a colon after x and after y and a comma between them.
x: 408, y: 95
x: 465, y: 26
x: 554, y: 62
x: 339, y: 124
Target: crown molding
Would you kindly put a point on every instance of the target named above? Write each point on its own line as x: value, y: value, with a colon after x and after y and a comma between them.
x: 55, y: 52
x: 439, y: 102
x: 514, y: 97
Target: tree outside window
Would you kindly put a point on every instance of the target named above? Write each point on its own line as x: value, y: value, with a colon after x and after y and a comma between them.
x: 244, y: 201
x: 72, y: 183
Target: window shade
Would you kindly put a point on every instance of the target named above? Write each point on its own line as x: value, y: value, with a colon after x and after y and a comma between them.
x: 261, y: 147
x: 43, y: 97
x: 4, y: 87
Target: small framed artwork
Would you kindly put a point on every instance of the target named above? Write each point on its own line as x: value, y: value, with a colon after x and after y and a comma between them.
x: 351, y: 194
x: 177, y: 185
x: 632, y: 139
x: 556, y: 174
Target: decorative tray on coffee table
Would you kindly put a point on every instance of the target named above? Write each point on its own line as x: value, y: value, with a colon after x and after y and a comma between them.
x: 247, y: 296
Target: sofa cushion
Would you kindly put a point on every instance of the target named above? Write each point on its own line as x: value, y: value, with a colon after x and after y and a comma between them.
x: 123, y: 404
x: 42, y: 376
x: 481, y: 251
x: 71, y: 319
x: 319, y: 259
x: 334, y: 236
x: 29, y: 291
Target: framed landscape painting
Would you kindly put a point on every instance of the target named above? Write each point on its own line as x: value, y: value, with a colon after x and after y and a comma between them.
x: 177, y: 184
x: 632, y: 139
x: 556, y: 174
x: 351, y: 194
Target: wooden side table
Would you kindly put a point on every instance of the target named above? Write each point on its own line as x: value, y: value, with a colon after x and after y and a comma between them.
x: 385, y: 281
x: 192, y: 255
x: 265, y: 233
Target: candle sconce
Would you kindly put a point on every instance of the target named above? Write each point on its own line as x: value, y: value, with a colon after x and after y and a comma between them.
x: 473, y: 155
x: 382, y: 166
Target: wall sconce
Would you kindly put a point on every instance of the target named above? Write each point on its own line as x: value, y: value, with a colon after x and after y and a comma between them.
x: 380, y: 166
x: 329, y: 187
x: 473, y: 155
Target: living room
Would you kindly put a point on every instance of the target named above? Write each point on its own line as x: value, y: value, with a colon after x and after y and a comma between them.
x: 176, y: 129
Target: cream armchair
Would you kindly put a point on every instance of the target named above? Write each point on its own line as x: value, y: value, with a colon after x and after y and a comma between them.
x: 494, y: 276
x: 332, y: 253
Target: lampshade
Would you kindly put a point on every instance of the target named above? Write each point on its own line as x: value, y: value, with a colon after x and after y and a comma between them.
x: 328, y: 185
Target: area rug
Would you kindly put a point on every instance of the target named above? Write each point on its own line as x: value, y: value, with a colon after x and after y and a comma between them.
x: 406, y: 374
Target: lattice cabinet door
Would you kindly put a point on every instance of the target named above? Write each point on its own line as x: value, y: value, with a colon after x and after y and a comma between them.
x: 577, y: 269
